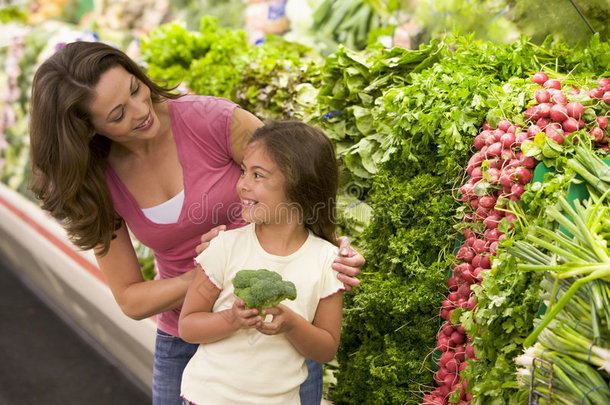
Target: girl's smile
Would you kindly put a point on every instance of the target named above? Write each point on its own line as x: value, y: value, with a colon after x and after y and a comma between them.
x: 261, y: 188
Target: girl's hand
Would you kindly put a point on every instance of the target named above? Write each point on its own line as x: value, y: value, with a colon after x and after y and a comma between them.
x: 208, y: 236
x: 242, y: 318
x: 348, y: 264
x: 282, y: 322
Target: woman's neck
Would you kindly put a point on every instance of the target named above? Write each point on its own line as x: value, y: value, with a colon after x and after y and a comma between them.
x: 281, y: 239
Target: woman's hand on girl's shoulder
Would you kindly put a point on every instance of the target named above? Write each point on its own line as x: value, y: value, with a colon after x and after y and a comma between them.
x: 208, y: 236
x: 348, y: 264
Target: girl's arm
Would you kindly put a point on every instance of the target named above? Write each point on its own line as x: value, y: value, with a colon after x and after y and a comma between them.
x: 317, y: 341
x: 198, y: 324
x: 138, y: 298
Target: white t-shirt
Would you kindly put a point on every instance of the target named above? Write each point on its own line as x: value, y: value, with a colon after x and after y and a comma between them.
x: 249, y: 367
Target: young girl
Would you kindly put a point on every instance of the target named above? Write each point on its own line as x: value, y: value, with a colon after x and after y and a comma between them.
x: 287, y: 188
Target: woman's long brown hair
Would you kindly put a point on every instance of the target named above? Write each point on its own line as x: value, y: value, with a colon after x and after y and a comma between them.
x: 68, y: 157
x: 306, y: 157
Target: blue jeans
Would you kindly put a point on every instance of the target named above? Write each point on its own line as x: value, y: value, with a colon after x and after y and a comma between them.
x: 172, y: 354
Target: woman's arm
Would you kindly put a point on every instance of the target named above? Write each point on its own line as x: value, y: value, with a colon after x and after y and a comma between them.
x: 348, y: 264
x: 138, y: 298
x: 317, y: 341
x: 198, y: 324
x: 243, y: 125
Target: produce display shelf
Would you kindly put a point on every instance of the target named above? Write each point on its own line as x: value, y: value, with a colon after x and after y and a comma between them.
x: 71, y: 281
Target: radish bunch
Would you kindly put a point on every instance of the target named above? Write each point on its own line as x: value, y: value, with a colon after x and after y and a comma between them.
x: 557, y: 117
x: 498, y: 172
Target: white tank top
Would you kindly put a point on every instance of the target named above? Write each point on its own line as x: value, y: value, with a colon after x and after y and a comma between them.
x: 167, y: 212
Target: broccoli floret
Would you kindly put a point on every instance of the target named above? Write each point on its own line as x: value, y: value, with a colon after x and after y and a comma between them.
x: 262, y: 288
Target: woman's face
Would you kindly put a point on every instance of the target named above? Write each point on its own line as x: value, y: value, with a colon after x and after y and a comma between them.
x: 121, y: 108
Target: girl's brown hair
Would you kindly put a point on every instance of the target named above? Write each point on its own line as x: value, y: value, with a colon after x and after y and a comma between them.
x: 306, y: 157
x: 68, y: 157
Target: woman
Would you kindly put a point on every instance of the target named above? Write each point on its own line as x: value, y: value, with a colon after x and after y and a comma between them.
x: 110, y: 149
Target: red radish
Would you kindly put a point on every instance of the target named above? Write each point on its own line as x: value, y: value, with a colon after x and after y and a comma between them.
x: 597, y: 92
x: 466, y: 190
x: 555, y: 134
x: 521, y: 137
x: 476, y: 261
x: 552, y: 84
x: 486, y: 126
x: 448, y: 329
x: 470, y: 351
x: 533, y: 130
x: 507, y: 154
x: 543, y: 122
x: 540, y: 78
x: 507, y: 140
x: 469, y: 278
x: 472, y: 302
x: 448, y: 305
x: 475, y: 160
x: 513, y: 129
x: 453, y: 296
x: 477, y: 174
x: 479, y: 141
x: 477, y: 273
x: 452, y: 365
x: 559, y: 98
x: 542, y: 96
x: 493, y: 175
x: 487, y: 201
x: 486, y: 261
x: 544, y: 109
x: 517, y: 189
x: 492, y: 236
x: 532, y: 113
x: 503, y: 125
x: 452, y: 284
x: 494, y: 163
x: 523, y: 175
x: 574, y: 91
x: 603, y: 82
x: 443, y: 342
x: 464, y: 290
x: 492, y: 221
x: 479, y: 246
x: 570, y: 124
x: 493, y: 247
x: 494, y: 150
x: 528, y: 161
x: 458, y: 338
x: 464, y: 253
x: 606, y: 97
x: 559, y: 112
x: 602, y: 121
x: 506, y: 180
x: 597, y: 134
x: 575, y: 109
x: 581, y: 124
x: 481, y: 213
x: 460, y: 353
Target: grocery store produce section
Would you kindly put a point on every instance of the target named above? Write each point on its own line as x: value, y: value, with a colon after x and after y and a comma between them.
x: 475, y: 179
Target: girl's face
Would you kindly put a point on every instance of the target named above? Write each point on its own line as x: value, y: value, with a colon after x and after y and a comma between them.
x: 261, y: 188
x: 121, y: 108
